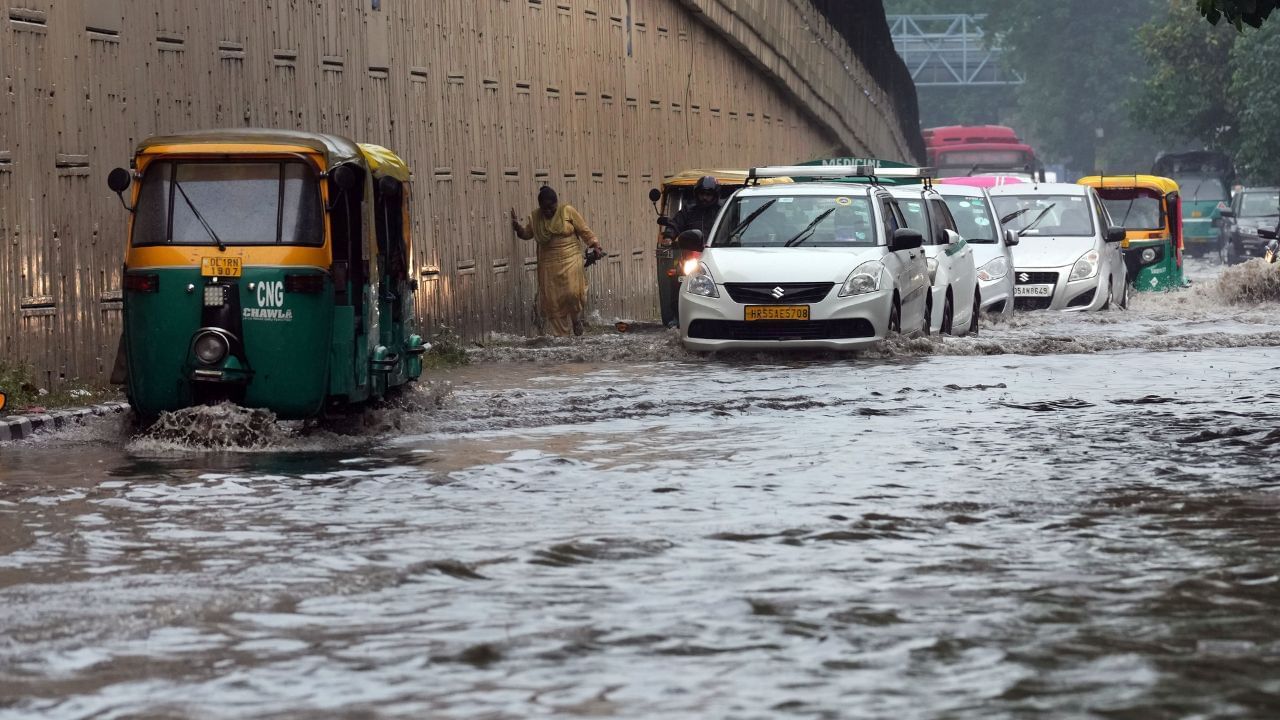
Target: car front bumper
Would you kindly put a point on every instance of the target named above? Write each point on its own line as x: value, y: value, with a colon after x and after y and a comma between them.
x: 835, y: 323
x: 997, y: 295
x: 1079, y: 295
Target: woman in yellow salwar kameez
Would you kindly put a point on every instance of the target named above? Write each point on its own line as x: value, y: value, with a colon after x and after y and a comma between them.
x: 560, y: 232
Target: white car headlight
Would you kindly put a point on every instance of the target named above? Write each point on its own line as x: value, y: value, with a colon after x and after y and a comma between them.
x: 1086, y: 267
x: 864, y: 279
x: 700, y: 282
x: 932, y: 265
x: 994, y: 270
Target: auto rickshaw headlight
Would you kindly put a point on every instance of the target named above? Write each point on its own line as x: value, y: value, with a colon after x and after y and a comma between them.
x: 1148, y: 255
x: 215, y: 295
x: 210, y: 348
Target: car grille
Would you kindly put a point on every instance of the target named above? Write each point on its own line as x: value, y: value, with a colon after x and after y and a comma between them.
x: 1035, y: 278
x: 765, y: 293
x: 781, y: 330
x: 1032, y: 303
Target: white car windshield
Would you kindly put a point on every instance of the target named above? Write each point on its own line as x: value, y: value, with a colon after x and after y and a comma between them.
x: 1045, y: 215
x: 973, y: 219
x: 797, y: 221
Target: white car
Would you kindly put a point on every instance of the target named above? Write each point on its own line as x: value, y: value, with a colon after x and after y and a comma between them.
x: 992, y: 244
x: 953, y: 307
x: 1068, y: 256
x: 804, y: 265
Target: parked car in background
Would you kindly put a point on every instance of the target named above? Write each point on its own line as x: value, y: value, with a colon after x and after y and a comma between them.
x: 1068, y: 254
x: 992, y: 245
x: 1254, y: 213
x: 803, y: 265
x: 953, y: 306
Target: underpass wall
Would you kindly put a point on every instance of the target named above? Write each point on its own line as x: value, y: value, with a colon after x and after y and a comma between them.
x: 486, y: 99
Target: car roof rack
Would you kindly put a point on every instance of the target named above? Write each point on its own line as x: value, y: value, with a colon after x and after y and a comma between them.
x: 867, y: 170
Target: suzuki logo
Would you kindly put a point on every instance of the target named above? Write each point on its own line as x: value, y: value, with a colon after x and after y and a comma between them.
x: 778, y: 293
x: 1023, y: 278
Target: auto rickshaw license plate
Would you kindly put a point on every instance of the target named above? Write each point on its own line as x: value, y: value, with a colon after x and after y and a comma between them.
x: 777, y: 312
x: 220, y: 266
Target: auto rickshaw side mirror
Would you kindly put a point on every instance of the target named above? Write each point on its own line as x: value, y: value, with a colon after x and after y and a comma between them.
x: 120, y: 180
x: 654, y: 195
x: 389, y: 186
x: 345, y: 177
x: 905, y: 239
x: 1115, y: 234
x: 1011, y: 238
x: 691, y: 240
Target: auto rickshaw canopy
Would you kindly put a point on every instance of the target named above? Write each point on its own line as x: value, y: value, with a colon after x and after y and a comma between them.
x: 384, y: 163
x: 334, y: 149
x: 689, y: 178
x: 1163, y: 185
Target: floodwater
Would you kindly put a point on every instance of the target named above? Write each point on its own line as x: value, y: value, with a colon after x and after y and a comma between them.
x: 1068, y: 516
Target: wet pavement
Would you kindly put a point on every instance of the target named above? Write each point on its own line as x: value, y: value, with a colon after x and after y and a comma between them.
x: 1067, y: 516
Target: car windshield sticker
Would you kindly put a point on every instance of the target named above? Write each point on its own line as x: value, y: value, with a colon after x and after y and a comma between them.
x: 786, y: 199
x: 964, y: 203
x: 981, y: 221
x: 843, y: 201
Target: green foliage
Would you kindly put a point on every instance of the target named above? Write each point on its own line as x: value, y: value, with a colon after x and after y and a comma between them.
x: 447, y: 350
x: 1213, y: 87
x: 1237, y: 12
x: 1081, y: 61
x: 1255, y: 87
x: 1185, y: 95
x: 22, y: 390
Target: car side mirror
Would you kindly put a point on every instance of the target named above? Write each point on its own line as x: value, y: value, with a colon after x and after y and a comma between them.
x: 1115, y: 234
x: 120, y: 180
x: 654, y: 195
x: 905, y: 239
x: 1011, y: 238
x: 691, y: 240
x: 1227, y: 213
x: 950, y: 237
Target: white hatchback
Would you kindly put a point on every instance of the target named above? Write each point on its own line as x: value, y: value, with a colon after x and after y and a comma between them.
x: 804, y: 265
x: 953, y: 306
x: 1068, y: 256
x: 992, y: 245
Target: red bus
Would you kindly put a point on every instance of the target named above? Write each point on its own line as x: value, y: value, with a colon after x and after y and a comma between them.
x: 958, y: 150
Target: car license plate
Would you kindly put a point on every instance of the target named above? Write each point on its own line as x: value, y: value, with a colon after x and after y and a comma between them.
x: 665, y: 253
x: 1032, y: 290
x: 220, y: 266
x: 777, y: 312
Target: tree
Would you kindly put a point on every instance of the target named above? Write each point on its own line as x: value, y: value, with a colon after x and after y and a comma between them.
x: 1237, y: 12
x: 1255, y: 62
x: 1185, y: 96
x: 1081, y: 63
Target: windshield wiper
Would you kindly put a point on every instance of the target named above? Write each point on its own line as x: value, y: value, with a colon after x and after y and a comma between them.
x: 1127, y: 210
x: 808, y: 230
x: 1013, y: 215
x: 735, y: 234
x: 1035, y: 222
x: 207, y: 228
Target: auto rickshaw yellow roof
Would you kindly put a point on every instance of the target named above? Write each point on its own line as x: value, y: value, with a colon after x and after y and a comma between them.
x: 689, y: 178
x: 1149, y: 182
x: 384, y: 162
x: 335, y: 149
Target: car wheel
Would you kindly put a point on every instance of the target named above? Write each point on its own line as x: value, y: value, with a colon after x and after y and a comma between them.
x: 977, y: 309
x: 927, y: 329
x: 1124, y: 295
x: 1110, y: 294
x: 895, y: 317
x: 947, y: 317
x: 1231, y: 254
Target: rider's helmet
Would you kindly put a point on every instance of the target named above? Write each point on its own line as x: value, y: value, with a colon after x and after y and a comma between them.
x: 707, y: 185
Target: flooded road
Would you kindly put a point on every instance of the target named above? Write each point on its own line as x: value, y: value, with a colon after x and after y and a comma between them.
x: 1066, y: 516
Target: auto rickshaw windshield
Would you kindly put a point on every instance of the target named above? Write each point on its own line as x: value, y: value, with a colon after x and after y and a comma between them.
x: 1134, y: 208
x: 229, y: 203
x: 1201, y: 188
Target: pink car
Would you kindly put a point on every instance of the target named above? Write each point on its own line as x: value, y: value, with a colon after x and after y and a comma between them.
x: 982, y: 181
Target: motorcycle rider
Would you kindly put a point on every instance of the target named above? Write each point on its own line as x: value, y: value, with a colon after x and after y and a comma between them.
x: 699, y: 216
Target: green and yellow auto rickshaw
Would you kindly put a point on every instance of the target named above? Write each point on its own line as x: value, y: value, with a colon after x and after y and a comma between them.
x: 268, y: 268
x: 1149, y: 208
